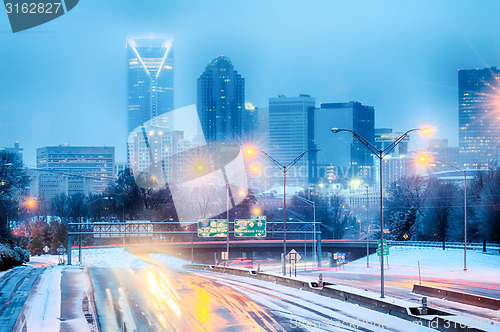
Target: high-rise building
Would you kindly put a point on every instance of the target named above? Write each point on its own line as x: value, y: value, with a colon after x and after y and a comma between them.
x: 439, y: 148
x: 384, y: 137
x: 221, y: 101
x: 150, y: 81
x: 479, y: 117
x: 50, y: 184
x: 249, y: 122
x: 291, y: 132
x: 342, y: 156
x: 157, y: 152
x: 15, y: 150
x: 397, y: 167
x: 78, y: 164
x: 119, y: 168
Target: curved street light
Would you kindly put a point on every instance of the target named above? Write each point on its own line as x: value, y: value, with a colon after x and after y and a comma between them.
x: 284, y: 169
x: 380, y: 154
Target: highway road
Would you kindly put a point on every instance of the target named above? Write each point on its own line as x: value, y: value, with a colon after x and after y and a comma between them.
x: 157, y: 298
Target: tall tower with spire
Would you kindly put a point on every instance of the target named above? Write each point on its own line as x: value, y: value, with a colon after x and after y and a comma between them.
x: 150, y: 81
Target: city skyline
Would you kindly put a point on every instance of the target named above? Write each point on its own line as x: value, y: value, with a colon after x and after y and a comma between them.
x: 403, y: 61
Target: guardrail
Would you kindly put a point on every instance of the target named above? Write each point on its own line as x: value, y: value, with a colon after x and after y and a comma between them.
x: 448, y: 245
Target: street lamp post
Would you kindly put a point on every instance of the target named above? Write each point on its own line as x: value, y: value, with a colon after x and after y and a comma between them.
x: 284, y: 169
x: 380, y: 154
x: 423, y: 159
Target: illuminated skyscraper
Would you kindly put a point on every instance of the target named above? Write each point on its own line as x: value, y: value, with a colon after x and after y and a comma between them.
x: 221, y: 101
x: 150, y: 81
x: 479, y: 117
x: 343, y: 156
x: 291, y: 132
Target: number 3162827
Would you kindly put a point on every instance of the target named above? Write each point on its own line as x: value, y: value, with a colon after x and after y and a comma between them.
x: 33, y: 8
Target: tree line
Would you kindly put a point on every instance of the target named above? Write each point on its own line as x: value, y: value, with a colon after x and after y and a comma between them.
x: 431, y: 209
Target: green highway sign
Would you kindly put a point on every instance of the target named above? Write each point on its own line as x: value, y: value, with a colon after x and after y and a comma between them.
x: 385, y: 247
x: 386, y: 252
x: 212, y: 227
x: 255, y: 227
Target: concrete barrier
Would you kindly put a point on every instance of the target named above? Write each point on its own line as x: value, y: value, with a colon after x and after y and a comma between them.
x: 465, y: 298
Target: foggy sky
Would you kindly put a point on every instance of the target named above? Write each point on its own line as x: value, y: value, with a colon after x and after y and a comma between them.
x: 64, y: 82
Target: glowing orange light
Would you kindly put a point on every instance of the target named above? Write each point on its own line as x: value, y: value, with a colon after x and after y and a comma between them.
x: 242, y: 192
x: 249, y: 152
x: 255, y: 168
x: 256, y: 211
x: 200, y: 167
x: 422, y: 159
x: 30, y: 202
x: 426, y: 131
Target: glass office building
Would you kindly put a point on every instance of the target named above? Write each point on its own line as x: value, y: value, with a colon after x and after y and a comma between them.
x: 479, y: 117
x: 342, y: 156
x: 150, y: 81
x: 291, y: 132
x: 221, y: 101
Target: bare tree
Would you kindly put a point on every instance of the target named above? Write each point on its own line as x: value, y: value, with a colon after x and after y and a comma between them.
x: 13, y: 183
x: 404, y: 206
x: 438, y: 215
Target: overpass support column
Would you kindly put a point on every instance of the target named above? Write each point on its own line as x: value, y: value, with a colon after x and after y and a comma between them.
x: 319, y: 250
x: 69, y: 250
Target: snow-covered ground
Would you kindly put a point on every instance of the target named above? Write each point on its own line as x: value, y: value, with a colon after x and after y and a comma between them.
x: 434, y: 263
x: 170, y: 261
x: 42, y: 309
x: 108, y: 257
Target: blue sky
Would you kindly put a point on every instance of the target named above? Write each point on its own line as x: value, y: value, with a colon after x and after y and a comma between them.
x: 64, y: 82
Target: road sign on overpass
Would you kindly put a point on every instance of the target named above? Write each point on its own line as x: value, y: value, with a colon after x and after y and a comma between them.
x: 212, y: 227
x: 255, y: 227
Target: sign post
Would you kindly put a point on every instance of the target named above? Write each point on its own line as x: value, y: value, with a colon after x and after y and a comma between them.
x: 293, y: 257
x: 61, y: 250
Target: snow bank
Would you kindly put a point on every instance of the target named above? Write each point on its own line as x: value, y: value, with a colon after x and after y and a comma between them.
x: 108, y: 257
x: 43, y: 307
x: 170, y: 261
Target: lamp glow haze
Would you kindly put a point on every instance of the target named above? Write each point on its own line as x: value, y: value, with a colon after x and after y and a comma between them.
x: 170, y: 151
